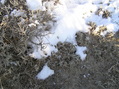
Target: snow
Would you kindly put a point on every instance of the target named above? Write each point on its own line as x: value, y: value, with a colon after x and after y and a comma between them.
x: 49, y: 6
x: 38, y: 53
x: 72, y: 16
x: 45, y: 73
x: 17, y: 13
x: 34, y: 4
x: 32, y: 24
x: 2, y: 1
x: 80, y: 52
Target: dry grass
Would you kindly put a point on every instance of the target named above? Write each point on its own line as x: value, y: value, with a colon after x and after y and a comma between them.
x: 100, y: 70
x: 17, y: 69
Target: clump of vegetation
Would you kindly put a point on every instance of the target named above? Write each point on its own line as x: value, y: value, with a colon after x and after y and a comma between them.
x: 13, y: 36
x: 17, y: 69
x: 104, y: 13
x: 101, y: 29
x: 96, y: 31
x: 116, y: 35
x: 81, y: 38
x: 98, y: 11
x: 92, y: 26
x: 66, y: 54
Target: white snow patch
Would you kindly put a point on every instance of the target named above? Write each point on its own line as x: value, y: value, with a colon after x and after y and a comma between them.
x: 34, y: 4
x: 49, y: 6
x: 39, y: 53
x: 17, y: 13
x: 32, y: 24
x: 45, y: 73
x: 36, y: 22
x: 80, y: 52
x: 2, y: 1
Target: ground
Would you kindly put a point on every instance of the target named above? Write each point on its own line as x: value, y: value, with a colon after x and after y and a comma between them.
x: 100, y: 69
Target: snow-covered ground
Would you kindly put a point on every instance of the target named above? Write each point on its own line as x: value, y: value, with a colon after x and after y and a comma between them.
x: 71, y: 16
